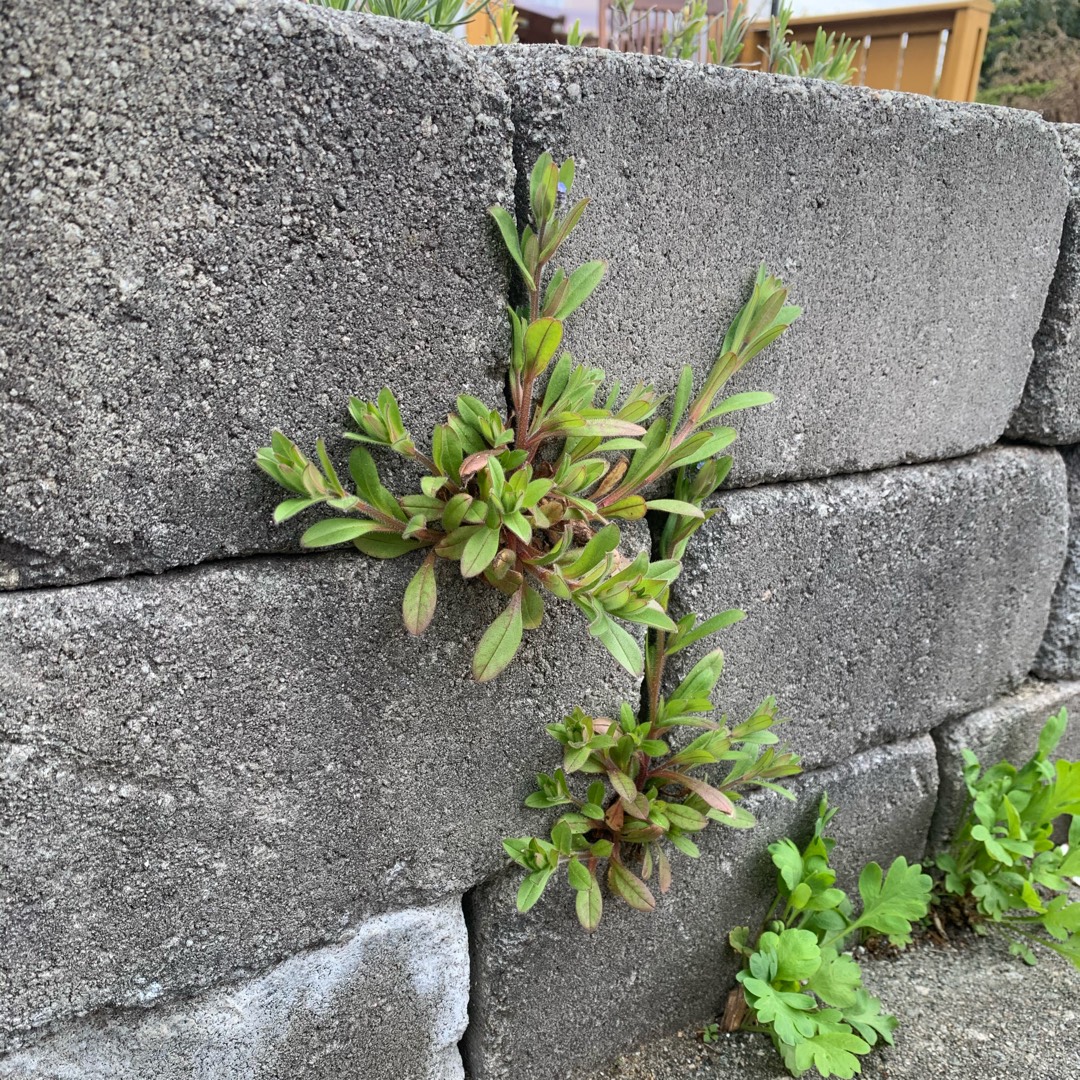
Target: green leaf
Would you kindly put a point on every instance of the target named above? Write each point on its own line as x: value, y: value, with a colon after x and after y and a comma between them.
x: 338, y: 531
x: 418, y: 606
x: 291, y: 507
x: 736, y: 402
x: 788, y: 1013
x: 386, y: 545
x: 500, y: 642
x: 510, y: 238
x: 532, y: 888
x: 797, y: 953
x: 866, y: 1017
x: 623, y: 785
x: 368, y: 486
x: 1052, y: 732
x: 676, y: 506
x: 590, y: 905
x: 832, y: 1053
x: 892, y: 905
x: 684, y: 844
x: 630, y: 887
x: 580, y: 286
x: 542, y: 340
x: 715, y: 798
x: 480, y: 550
x: 837, y: 980
x: 578, y: 876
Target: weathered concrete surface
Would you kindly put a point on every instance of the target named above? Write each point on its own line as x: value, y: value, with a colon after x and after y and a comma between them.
x: 205, y: 772
x: 919, y: 235
x: 387, y: 1004
x: 968, y: 1012
x: 1006, y: 731
x: 219, y: 218
x: 1049, y: 411
x: 548, y: 999
x: 1059, y: 654
x: 880, y: 606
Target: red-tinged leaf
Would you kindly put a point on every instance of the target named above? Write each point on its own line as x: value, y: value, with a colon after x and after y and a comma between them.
x: 590, y: 905
x: 500, y: 642
x: 475, y: 462
x: 418, y: 606
x: 637, y: 807
x: 623, y: 785
x: 630, y: 887
x: 663, y: 868
x: 716, y: 799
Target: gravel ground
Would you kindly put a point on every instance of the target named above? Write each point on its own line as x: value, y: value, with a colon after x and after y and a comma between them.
x: 968, y: 1011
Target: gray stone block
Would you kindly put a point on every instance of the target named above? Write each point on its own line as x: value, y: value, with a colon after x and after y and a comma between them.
x: 880, y: 606
x: 1049, y: 411
x: 220, y: 218
x: 920, y: 236
x: 387, y: 1004
x: 548, y: 999
x: 1059, y: 654
x: 1006, y: 731
x: 205, y: 772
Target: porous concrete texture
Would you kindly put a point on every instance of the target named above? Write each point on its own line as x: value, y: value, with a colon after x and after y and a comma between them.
x: 207, y: 771
x: 389, y: 1003
x: 222, y: 217
x: 967, y: 1012
x: 920, y: 236
x: 1049, y: 411
x: 1006, y: 731
x: 881, y: 605
x: 547, y: 999
x: 1059, y: 654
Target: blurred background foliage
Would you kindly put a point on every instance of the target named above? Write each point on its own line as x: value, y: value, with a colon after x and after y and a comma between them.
x: 1032, y: 58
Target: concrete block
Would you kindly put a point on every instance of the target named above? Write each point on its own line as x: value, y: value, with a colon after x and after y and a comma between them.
x: 1049, y: 411
x: 388, y: 1003
x: 920, y: 236
x: 547, y: 999
x: 204, y: 773
x: 1006, y: 731
x: 1059, y: 654
x: 880, y: 606
x: 223, y: 217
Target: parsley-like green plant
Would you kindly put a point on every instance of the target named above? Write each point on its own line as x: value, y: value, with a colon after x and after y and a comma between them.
x: 797, y: 984
x: 1003, y: 855
x: 529, y: 501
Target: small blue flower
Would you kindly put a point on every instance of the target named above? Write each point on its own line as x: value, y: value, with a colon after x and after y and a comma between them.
x: 562, y: 188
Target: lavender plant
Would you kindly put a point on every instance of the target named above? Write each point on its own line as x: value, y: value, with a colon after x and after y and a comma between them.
x: 530, y: 502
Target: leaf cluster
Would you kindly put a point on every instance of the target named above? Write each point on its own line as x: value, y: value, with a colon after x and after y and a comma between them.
x: 830, y: 57
x: 529, y: 502
x: 647, y: 796
x: 1003, y: 854
x: 443, y: 15
x: 798, y: 984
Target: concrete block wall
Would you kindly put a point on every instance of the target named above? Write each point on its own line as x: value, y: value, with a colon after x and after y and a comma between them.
x: 248, y: 827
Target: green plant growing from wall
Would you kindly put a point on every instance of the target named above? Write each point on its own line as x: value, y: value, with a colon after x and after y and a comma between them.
x: 1003, y: 860
x: 529, y: 502
x: 797, y: 984
x: 647, y: 796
